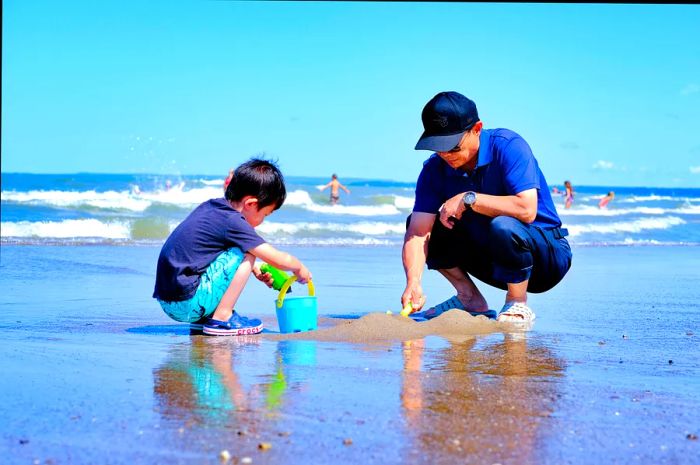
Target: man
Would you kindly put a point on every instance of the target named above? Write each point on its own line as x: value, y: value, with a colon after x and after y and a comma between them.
x: 482, y: 209
x: 334, y: 184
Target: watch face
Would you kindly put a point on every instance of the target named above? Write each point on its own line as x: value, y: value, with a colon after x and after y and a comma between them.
x: 469, y: 198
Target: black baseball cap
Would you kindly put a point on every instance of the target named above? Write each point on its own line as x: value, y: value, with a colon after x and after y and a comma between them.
x: 446, y: 117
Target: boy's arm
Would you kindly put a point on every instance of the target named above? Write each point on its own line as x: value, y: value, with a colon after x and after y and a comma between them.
x: 326, y: 186
x: 282, y: 260
x: 344, y: 188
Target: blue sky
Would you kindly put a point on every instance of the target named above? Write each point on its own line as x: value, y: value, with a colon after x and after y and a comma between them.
x: 604, y: 94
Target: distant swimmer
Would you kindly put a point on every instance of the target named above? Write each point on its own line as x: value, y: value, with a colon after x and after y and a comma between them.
x: 569, y: 199
x: 606, y: 200
x: 335, y: 185
x: 135, y: 189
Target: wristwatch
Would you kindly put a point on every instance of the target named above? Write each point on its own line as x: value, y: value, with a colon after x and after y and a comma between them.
x: 469, y: 199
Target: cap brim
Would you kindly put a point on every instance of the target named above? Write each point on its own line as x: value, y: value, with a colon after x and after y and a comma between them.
x: 439, y: 143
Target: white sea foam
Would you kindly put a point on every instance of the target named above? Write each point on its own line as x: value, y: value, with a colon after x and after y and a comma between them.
x: 595, y: 211
x: 364, y: 241
x: 67, y: 229
x: 114, y: 200
x: 213, y: 182
x: 403, y: 203
x: 302, y: 199
x: 655, y: 198
x: 626, y: 226
x: 365, y: 227
x: 688, y: 210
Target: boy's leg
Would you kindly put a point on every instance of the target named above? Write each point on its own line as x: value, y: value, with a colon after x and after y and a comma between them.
x: 228, y: 301
x: 226, y: 321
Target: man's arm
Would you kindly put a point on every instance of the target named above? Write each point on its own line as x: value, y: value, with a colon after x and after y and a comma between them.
x: 414, y: 254
x: 521, y: 206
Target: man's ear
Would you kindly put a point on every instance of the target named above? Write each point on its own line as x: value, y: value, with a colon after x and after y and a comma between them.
x: 478, y: 126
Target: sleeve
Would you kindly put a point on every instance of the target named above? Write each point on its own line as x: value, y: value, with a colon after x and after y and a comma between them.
x: 519, y: 167
x: 241, y: 234
x: 429, y: 195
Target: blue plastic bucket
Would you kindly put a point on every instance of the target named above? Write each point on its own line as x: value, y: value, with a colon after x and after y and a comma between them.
x: 296, y: 314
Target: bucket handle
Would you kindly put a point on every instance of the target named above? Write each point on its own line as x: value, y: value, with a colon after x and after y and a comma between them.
x: 285, y: 286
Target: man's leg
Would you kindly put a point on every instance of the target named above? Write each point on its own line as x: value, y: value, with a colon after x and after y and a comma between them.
x: 526, y: 258
x: 467, y: 292
x: 446, y: 253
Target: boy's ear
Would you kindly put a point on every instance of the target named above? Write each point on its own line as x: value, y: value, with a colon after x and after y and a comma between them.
x: 251, y: 202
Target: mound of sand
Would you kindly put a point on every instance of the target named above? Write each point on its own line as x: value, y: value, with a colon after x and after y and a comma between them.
x: 375, y: 327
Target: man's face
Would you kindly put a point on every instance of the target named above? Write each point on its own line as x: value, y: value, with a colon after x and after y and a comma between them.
x: 464, y: 154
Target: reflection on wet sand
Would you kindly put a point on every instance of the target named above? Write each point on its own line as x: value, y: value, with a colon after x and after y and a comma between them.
x: 480, y: 399
x: 197, y: 383
x: 483, y: 403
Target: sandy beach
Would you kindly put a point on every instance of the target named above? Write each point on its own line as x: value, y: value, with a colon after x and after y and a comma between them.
x: 94, y: 372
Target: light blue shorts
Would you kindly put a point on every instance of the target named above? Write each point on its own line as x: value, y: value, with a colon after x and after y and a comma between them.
x: 212, y: 285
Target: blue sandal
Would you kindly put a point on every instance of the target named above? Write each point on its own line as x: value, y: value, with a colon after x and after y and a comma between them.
x: 449, y: 304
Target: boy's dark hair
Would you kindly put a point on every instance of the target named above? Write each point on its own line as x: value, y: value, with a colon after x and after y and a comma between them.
x: 259, y: 178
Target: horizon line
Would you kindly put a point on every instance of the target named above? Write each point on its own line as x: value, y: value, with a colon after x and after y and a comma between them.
x: 2, y: 173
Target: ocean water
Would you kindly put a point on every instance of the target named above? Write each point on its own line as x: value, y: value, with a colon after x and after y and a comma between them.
x: 143, y: 209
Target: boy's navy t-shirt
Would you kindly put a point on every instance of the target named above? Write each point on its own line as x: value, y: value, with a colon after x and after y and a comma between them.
x: 505, y: 166
x: 209, y: 230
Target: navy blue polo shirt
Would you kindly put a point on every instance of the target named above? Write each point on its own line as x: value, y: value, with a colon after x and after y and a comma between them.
x: 505, y: 166
x: 211, y: 228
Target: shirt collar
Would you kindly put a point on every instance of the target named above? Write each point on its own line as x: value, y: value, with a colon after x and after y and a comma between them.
x: 484, y: 157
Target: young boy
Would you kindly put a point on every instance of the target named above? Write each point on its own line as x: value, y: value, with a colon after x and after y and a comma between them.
x: 205, y: 263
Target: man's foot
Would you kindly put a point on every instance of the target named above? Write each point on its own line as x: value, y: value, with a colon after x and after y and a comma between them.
x: 449, y: 304
x: 235, y: 326
x: 516, y: 312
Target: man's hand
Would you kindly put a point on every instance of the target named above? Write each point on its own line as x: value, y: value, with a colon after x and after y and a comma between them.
x: 414, y: 295
x: 452, y: 211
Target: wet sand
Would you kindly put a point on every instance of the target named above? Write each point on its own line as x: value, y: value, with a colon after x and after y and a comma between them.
x: 609, y: 373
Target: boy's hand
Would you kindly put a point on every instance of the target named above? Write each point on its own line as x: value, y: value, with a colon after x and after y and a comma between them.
x: 264, y: 277
x: 303, y: 274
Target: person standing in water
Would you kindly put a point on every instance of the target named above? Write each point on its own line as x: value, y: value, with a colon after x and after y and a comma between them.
x: 335, y: 185
x: 569, y: 194
x: 606, y: 200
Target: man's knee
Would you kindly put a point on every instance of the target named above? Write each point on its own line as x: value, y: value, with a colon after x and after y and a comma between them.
x: 502, y: 228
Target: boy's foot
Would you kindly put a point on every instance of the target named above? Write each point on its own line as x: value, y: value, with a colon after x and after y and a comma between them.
x: 198, y: 325
x: 235, y: 326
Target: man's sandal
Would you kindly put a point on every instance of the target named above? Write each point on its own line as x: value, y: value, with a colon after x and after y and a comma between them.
x: 449, y: 304
x: 516, y: 312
